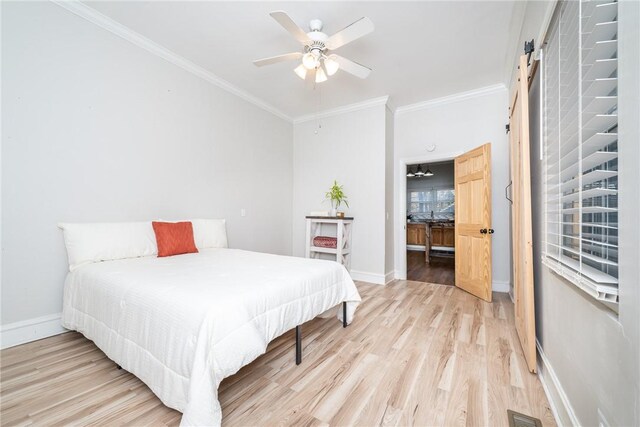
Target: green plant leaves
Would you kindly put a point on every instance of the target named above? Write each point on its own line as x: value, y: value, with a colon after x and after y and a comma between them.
x: 336, y: 194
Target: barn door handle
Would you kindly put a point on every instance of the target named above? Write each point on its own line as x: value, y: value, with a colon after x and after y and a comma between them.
x: 491, y: 231
x: 483, y: 231
x: 506, y: 192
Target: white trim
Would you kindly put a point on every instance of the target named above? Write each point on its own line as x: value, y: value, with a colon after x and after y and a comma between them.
x: 457, y: 97
x: 501, y: 286
x: 389, y: 277
x: 139, y: 40
x: 399, y: 275
x: 390, y: 105
x: 558, y: 401
x: 364, y: 276
x: 400, y: 204
x: 30, y: 330
x: 546, y: 22
x: 342, y: 110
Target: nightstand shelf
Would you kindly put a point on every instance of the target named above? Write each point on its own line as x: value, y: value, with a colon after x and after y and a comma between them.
x: 321, y: 226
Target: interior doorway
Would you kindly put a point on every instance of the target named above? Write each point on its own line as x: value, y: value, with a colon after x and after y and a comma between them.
x: 430, y: 222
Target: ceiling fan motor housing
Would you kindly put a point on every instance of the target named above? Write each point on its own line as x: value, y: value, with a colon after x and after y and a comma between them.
x: 316, y: 34
x: 315, y: 25
x: 316, y: 48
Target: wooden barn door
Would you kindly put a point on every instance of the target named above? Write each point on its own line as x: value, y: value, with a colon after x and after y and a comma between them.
x: 473, y: 221
x: 521, y: 229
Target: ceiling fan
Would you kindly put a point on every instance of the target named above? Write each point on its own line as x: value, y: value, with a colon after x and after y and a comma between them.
x: 318, y: 61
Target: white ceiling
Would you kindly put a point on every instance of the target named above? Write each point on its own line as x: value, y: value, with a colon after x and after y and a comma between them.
x: 418, y: 51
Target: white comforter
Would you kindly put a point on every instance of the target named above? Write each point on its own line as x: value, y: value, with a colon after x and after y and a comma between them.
x: 181, y: 324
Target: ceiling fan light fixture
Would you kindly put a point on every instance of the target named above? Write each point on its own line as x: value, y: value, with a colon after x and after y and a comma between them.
x: 301, y: 71
x: 331, y: 65
x: 310, y: 61
x: 320, y: 75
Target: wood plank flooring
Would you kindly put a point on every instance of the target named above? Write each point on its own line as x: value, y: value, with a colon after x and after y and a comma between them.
x: 416, y: 354
x: 440, y: 270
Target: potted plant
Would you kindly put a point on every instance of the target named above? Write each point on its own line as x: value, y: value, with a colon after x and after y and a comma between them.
x: 337, y: 197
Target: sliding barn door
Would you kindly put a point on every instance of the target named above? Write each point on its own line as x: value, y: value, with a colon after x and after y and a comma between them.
x: 473, y: 221
x: 521, y: 233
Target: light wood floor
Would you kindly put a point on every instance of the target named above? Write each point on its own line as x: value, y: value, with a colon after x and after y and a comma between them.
x: 416, y: 354
x: 439, y: 270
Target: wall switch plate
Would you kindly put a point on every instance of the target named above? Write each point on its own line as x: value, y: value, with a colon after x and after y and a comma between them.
x: 243, y: 212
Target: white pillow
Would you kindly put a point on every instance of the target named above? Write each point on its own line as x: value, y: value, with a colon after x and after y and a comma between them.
x: 94, y: 242
x: 208, y: 233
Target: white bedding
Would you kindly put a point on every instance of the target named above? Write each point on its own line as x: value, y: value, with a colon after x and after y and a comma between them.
x: 182, y: 324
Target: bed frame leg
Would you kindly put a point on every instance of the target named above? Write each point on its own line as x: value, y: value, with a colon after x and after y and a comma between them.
x: 344, y: 314
x: 298, y: 345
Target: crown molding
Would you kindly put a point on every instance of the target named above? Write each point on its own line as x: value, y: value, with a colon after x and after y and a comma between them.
x: 462, y: 96
x: 92, y: 15
x: 341, y: 110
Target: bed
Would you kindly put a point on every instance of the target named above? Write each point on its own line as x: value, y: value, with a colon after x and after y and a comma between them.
x: 184, y: 323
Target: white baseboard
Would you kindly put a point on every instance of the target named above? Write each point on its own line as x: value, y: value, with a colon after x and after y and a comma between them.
x: 363, y: 276
x: 29, y: 330
x: 500, y: 286
x: 558, y: 400
x: 389, y: 277
x: 400, y: 275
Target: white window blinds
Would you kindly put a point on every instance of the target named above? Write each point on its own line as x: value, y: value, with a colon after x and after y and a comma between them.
x: 581, y: 146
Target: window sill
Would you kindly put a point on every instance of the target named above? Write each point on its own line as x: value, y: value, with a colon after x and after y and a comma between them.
x: 605, y: 294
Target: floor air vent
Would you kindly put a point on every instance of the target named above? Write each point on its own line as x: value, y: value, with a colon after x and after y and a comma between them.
x: 517, y: 419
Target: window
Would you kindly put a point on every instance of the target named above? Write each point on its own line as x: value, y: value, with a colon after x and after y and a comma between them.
x: 581, y: 147
x: 440, y: 201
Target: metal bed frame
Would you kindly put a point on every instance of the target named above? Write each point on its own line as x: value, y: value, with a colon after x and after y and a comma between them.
x: 299, y: 333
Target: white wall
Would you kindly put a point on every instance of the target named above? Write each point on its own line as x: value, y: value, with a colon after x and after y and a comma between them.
x: 459, y: 125
x: 534, y: 17
x: 389, y: 266
x: 350, y: 148
x: 591, y: 361
x: 97, y: 129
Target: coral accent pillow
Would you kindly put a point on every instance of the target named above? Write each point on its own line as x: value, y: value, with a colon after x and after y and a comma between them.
x: 174, y: 238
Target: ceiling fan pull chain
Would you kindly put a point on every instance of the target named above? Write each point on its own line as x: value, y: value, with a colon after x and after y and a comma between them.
x: 318, y: 105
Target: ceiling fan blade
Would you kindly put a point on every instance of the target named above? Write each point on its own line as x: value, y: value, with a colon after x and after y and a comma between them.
x: 279, y: 58
x: 361, y: 27
x: 288, y: 24
x: 352, y: 67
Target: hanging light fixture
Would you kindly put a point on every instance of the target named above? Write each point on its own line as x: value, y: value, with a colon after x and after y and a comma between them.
x: 331, y: 65
x: 419, y: 171
x: 321, y: 76
x: 428, y: 172
x: 301, y: 71
x: 310, y: 60
x: 324, y: 65
x: 410, y: 174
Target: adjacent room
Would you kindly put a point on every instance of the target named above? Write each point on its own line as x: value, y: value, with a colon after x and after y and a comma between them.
x: 431, y: 223
x: 320, y: 213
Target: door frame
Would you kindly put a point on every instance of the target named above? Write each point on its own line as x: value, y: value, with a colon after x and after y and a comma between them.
x: 401, y: 204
